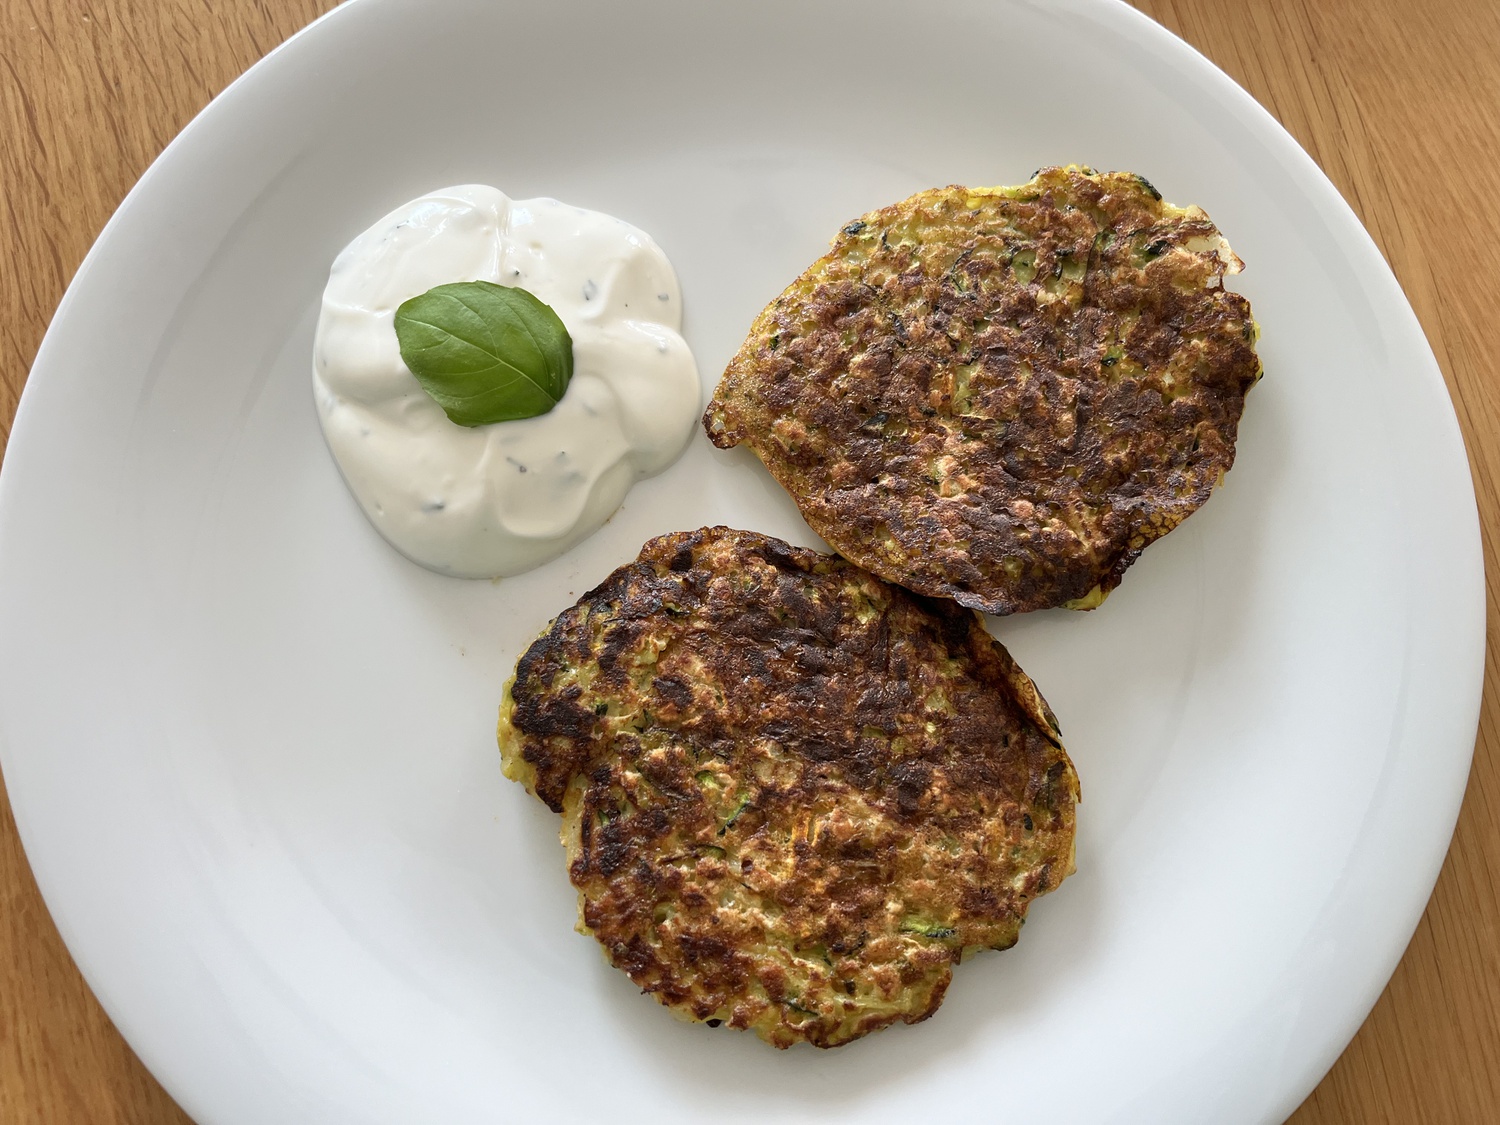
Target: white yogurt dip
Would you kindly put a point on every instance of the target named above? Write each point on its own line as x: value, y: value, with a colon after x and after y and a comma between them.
x: 496, y: 500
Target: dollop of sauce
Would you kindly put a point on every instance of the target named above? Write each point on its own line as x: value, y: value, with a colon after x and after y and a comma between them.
x: 497, y: 500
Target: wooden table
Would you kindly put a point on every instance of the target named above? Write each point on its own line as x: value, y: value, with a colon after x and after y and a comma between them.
x: 1399, y: 103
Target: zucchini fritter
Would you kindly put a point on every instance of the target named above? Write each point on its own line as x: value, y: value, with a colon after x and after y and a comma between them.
x: 1001, y: 395
x: 793, y: 796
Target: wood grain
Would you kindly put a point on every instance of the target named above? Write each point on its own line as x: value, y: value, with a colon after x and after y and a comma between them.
x: 1399, y: 103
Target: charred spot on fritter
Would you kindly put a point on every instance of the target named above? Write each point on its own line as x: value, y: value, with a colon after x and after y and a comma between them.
x: 793, y: 795
x: 1001, y: 395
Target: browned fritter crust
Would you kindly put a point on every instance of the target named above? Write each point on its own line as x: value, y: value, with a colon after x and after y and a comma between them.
x: 793, y: 795
x: 1001, y: 395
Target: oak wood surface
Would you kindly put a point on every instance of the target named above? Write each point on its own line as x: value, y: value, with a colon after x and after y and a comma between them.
x: 1398, y: 102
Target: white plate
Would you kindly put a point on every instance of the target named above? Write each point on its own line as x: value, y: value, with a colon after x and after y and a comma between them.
x: 250, y: 747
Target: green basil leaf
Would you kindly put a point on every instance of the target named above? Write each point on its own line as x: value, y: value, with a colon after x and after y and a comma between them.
x: 485, y: 352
